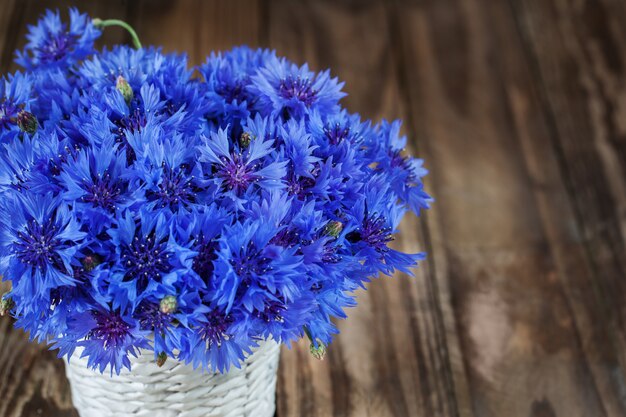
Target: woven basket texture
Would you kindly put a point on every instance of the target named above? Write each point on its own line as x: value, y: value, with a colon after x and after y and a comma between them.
x: 176, y: 389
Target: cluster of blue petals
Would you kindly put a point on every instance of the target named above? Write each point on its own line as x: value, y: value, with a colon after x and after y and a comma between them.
x: 241, y: 188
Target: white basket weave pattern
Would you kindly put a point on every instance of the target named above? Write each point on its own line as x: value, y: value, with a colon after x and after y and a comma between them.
x: 176, y: 389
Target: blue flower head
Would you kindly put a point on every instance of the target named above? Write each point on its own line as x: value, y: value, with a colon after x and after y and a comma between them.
x: 37, y: 242
x: 15, y: 98
x: 52, y: 43
x: 286, y: 90
x: 228, y: 75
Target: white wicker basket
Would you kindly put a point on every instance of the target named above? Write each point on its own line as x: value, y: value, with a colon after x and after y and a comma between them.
x: 176, y: 389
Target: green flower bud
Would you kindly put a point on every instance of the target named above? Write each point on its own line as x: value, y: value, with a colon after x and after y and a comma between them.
x: 124, y: 88
x: 6, y: 305
x: 318, y: 352
x: 161, y: 358
x: 244, y: 140
x: 27, y: 122
x: 90, y: 262
x: 334, y: 228
x: 168, y: 304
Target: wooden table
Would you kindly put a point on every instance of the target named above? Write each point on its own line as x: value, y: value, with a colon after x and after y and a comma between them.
x: 519, y: 108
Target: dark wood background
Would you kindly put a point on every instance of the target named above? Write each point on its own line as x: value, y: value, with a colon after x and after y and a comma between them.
x: 519, y: 108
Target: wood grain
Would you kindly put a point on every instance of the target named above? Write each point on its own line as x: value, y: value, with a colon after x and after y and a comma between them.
x: 513, y: 252
x: 198, y: 27
x: 32, y: 379
x: 579, y: 59
x: 518, y: 108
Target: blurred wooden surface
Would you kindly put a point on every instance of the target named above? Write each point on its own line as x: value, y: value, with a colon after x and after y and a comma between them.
x: 519, y: 108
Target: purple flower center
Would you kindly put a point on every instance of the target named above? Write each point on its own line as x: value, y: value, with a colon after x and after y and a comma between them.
x: 250, y: 262
x: 131, y: 123
x: 54, y: 165
x: 400, y: 161
x: 203, y: 262
x: 286, y: 238
x: 336, y: 133
x: 103, y: 192
x: 8, y: 112
x: 233, y: 91
x: 37, y: 246
x: 215, y: 329
x: 151, y: 318
x: 298, y: 88
x: 373, y: 232
x: 174, y: 189
x: 273, y: 311
x: 299, y: 186
x: 330, y: 255
x: 110, y: 328
x: 55, y: 48
x: 236, y: 174
x: 144, y: 259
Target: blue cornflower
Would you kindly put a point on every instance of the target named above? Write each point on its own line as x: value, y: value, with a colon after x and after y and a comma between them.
x: 299, y: 150
x: 337, y: 134
x: 38, y: 238
x: 51, y: 43
x: 170, y: 176
x: 387, y: 150
x: 15, y: 98
x: 149, y: 260
x: 219, y: 341
x: 167, y: 335
x: 286, y: 90
x: 95, y: 181
x: 35, y: 163
x: 228, y: 74
x: 251, y: 272
x: 179, y: 98
x: 107, y: 338
x: 375, y: 219
x: 227, y: 77
x: 57, y: 97
x: 201, y: 231
x: 236, y: 169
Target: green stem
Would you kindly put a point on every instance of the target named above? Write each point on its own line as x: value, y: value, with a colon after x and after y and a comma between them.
x: 308, y: 333
x: 99, y: 23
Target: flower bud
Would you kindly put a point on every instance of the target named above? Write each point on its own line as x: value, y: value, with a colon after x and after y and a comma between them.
x: 124, y: 88
x: 27, y: 122
x: 168, y: 304
x: 90, y: 262
x: 6, y: 305
x: 318, y: 352
x: 334, y: 228
x: 244, y: 140
x: 161, y: 358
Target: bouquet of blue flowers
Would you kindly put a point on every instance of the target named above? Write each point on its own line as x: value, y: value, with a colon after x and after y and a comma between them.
x: 189, y: 211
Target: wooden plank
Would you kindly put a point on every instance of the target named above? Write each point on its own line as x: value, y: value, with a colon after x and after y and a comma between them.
x: 32, y: 379
x: 198, y: 27
x: 512, y: 252
x: 580, y: 59
x: 10, y: 19
x: 392, y: 358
